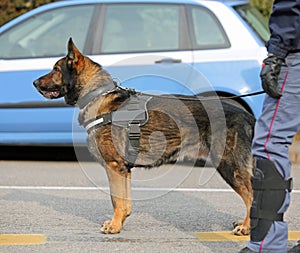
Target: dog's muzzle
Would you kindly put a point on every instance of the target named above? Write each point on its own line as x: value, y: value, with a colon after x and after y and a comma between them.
x: 50, y: 93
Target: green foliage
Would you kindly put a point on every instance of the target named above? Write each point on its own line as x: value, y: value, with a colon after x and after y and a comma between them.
x: 10, y: 9
x: 264, y: 6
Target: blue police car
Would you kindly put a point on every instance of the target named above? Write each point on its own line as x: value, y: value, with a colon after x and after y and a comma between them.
x: 190, y: 47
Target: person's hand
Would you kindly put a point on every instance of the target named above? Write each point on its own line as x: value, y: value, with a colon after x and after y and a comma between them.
x: 269, y: 75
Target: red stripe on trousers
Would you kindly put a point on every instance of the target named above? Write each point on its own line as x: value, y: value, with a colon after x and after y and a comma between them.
x: 274, y: 116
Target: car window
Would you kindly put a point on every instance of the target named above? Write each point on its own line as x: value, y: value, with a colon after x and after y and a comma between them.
x: 46, y: 34
x: 140, y: 27
x: 255, y: 19
x: 208, y: 31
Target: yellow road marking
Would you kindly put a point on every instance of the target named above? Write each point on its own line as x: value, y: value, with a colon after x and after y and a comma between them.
x: 22, y: 239
x: 222, y: 236
x: 217, y: 236
x: 294, y: 235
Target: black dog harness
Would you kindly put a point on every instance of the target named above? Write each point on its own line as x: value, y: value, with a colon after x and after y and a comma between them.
x: 131, y: 115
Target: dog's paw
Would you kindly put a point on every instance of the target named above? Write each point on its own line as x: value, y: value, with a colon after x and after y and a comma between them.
x: 240, y: 229
x: 108, y: 227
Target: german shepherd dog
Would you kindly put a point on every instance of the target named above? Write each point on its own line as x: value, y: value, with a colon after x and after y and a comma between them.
x: 177, y: 128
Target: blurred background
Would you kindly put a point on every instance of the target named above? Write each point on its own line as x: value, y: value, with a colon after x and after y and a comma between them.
x: 10, y: 9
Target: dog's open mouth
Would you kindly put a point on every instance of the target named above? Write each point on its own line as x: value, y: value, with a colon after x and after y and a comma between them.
x: 51, y: 94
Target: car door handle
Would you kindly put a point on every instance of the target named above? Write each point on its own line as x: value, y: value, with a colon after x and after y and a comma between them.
x: 168, y: 60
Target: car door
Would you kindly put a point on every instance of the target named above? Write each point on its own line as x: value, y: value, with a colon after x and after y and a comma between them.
x: 29, y: 48
x: 226, y: 53
x: 146, y: 46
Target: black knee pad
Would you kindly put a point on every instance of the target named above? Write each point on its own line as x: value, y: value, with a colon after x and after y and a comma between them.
x: 269, y: 191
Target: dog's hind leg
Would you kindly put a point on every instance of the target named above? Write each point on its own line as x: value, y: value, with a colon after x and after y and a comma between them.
x: 240, y: 181
x: 120, y: 192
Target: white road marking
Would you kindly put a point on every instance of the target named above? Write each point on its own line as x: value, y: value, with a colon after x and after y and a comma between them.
x: 83, y: 188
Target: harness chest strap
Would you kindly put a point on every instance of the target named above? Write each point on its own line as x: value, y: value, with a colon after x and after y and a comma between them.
x: 99, y: 121
x: 133, y: 133
x: 131, y: 115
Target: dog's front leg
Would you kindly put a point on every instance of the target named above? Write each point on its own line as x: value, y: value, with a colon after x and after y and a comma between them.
x: 120, y: 192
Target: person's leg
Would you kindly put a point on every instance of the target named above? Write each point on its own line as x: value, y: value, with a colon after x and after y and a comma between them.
x: 274, y: 132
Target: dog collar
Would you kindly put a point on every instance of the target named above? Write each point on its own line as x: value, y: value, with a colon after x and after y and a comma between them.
x: 86, y: 99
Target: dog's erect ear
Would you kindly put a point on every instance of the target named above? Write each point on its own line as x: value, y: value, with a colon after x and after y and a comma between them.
x: 74, y: 54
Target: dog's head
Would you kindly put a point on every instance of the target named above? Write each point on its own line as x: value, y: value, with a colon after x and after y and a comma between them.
x: 68, y: 77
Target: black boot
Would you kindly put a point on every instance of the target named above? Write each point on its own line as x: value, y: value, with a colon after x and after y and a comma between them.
x: 295, y: 249
x: 247, y: 250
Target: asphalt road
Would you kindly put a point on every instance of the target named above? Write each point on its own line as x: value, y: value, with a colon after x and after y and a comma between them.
x: 59, y: 206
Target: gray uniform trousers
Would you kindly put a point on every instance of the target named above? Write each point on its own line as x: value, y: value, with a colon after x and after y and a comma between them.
x: 274, y: 132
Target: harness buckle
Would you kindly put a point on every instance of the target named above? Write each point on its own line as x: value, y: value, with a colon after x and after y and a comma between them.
x: 134, y: 134
x: 134, y: 131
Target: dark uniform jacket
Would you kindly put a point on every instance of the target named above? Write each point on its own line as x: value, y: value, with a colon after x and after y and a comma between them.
x: 284, y: 26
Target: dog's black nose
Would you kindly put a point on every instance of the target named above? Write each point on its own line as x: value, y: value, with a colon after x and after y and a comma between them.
x: 36, y: 83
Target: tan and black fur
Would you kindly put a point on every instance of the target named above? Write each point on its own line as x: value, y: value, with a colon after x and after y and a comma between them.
x: 179, y: 128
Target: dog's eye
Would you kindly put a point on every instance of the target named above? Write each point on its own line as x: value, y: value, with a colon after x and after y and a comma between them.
x: 56, y: 69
